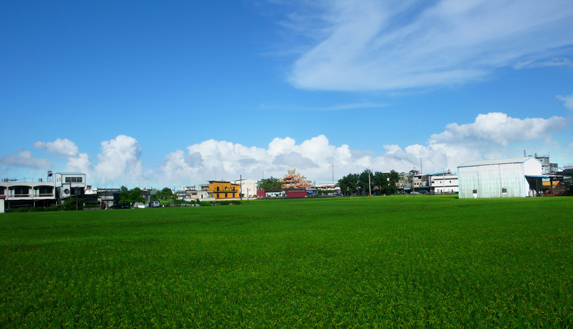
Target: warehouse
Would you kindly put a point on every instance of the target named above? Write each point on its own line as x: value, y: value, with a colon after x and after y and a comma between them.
x: 519, y: 177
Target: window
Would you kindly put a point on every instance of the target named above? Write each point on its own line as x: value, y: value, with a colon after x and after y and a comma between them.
x: 217, y: 190
x: 80, y: 179
x: 225, y: 195
x: 68, y: 179
x: 21, y: 190
x: 1, y: 190
x: 233, y: 194
x: 475, y: 191
x: 44, y: 190
x: 503, y: 190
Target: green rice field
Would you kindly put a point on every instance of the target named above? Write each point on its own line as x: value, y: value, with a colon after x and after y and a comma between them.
x: 385, y: 262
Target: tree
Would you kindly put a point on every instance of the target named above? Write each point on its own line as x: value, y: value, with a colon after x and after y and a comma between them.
x: 164, y: 194
x: 132, y: 196
x: 123, y: 197
x: 269, y: 183
x: 136, y: 196
x: 123, y: 189
x: 348, y: 184
x: 386, y: 182
x: 70, y: 204
x: 365, y: 180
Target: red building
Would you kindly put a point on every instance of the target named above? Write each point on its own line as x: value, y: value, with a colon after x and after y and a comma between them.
x: 296, y: 193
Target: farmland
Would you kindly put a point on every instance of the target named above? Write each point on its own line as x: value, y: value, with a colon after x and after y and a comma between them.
x: 423, y: 261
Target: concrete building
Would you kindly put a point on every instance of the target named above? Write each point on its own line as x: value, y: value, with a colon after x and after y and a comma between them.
x: 444, y: 183
x: 27, y: 193
x: 421, y: 182
x: 548, y: 168
x: 199, y: 195
x: 224, y: 189
x: 248, y: 187
x: 329, y: 187
x: 519, y: 177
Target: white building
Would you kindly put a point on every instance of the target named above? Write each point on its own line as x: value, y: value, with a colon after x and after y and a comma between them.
x: 59, y: 186
x: 200, y: 195
x: 329, y: 187
x: 519, y: 177
x: 248, y: 187
x: 444, y: 183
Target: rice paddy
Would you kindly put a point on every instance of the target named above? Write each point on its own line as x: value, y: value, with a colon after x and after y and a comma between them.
x: 388, y: 262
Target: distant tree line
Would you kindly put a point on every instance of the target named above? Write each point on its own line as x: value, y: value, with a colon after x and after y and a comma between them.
x: 380, y: 183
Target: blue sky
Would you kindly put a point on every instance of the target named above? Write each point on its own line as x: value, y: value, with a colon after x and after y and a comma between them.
x: 161, y: 94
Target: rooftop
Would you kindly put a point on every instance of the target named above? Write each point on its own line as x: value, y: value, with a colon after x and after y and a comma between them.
x: 493, y: 162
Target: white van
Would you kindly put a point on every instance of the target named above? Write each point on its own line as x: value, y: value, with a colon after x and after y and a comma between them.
x: 154, y: 204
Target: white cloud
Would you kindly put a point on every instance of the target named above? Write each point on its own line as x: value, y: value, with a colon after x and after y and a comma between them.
x: 488, y: 136
x: 499, y: 128
x: 80, y: 163
x: 77, y: 162
x: 533, y: 64
x: 387, y: 45
x: 59, y: 146
x: 25, y: 159
x: 567, y: 99
x: 119, y: 157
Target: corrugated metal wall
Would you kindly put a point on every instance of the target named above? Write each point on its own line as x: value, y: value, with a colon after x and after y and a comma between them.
x: 513, y: 179
x: 489, y: 180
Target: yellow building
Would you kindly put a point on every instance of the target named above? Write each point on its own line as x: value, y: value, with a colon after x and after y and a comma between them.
x: 224, y: 190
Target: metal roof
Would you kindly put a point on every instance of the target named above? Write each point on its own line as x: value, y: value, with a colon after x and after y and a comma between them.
x: 494, y: 162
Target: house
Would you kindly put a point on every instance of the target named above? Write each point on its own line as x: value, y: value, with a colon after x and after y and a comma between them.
x: 444, y: 183
x: 224, y: 189
x: 518, y: 177
x: 273, y: 193
x: 329, y: 187
x: 22, y: 193
x: 29, y: 193
x: 404, y: 182
x: 199, y: 195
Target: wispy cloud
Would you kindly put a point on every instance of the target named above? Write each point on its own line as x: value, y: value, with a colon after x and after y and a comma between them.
x: 386, y: 45
x: 567, y: 99
x: 533, y: 64
x: 24, y: 159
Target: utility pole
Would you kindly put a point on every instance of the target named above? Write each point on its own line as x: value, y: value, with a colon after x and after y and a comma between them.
x: 247, y: 195
x: 333, y: 173
x: 369, y: 186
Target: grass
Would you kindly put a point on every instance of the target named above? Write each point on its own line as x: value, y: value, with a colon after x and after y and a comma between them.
x: 388, y: 262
